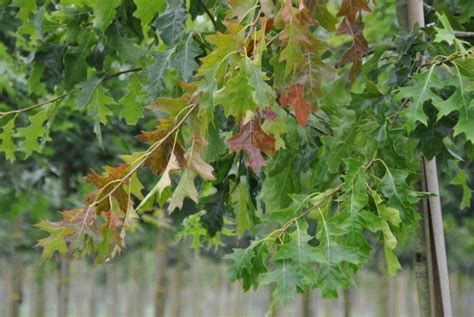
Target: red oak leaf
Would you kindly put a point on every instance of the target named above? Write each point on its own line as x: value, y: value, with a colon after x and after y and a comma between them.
x: 295, y: 98
x: 269, y: 114
x: 253, y: 140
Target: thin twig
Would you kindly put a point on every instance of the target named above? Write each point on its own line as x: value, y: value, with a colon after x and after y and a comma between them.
x: 43, y: 103
x: 209, y: 14
x: 303, y: 214
x: 443, y: 61
x: 132, y: 70
x: 2, y: 114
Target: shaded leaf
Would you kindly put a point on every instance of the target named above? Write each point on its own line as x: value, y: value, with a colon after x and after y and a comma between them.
x: 170, y: 24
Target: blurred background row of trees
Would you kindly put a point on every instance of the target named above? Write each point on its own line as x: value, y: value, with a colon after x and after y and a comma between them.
x: 154, y: 276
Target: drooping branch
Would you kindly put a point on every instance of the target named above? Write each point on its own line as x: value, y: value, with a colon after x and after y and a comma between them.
x: 46, y: 102
x: 43, y: 103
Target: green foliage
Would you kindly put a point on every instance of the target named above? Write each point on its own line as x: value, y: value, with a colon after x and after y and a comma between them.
x: 261, y: 120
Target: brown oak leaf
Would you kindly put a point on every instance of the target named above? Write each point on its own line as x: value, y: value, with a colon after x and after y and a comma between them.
x: 350, y: 9
x: 295, y: 99
x: 253, y: 140
x: 359, y: 47
x: 105, y: 185
x: 159, y: 157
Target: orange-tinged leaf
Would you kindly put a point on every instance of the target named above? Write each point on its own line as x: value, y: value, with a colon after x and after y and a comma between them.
x: 253, y: 140
x: 295, y: 99
x: 150, y: 137
x: 158, y: 159
x: 110, y: 174
x: 109, y: 184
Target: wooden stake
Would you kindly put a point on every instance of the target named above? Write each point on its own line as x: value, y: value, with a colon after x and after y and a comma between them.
x: 431, y: 249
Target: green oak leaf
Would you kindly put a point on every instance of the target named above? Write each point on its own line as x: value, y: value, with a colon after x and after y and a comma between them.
x: 300, y: 254
x: 237, y: 94
x: 420, y: 92
x: 324, y: 16
x: 393, y: 265
x: 27, y: 8
x: 87, y: 90
x: 243, y: 206
x: 225, y: 45
x: 185, y: 58
x: 34, y: 131
x: 279, y: 182
x: 248, y: 264
x: 446, y: 34
x: 132, y: 110
x: 56, y: 239
x: 156, y: 72
x: 146, y: 11
x: 330, y: 279
x: 263, y: 94
x: 453, y: 103
x: 462, y: 179
x: 292, y: 54
x: 104, y: 13
x: 95, y: 99
x: 98, y: 105
x: 75, y: 64
x: 7, y: 145
x: 170, y: 24
x: 286, y: 281
x: 35, y: 86
x: 464, y: 125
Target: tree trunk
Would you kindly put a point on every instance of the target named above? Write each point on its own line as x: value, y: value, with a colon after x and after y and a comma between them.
x: 383, y: 307
x: 63, y: 286
x: 39, y: 297
x: 237, y: 299
x: 460, y: 295
x: 136, y: 284
x: 112, y: 302
x: 64, y: 269
x: 196, y: 287
x: 347, y: 302
x: 161, y: 287
x: 306, y: 303
x: 175, y: 291
x: 16, y: 295
x: 93, y: 292
x: 327, y: 308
